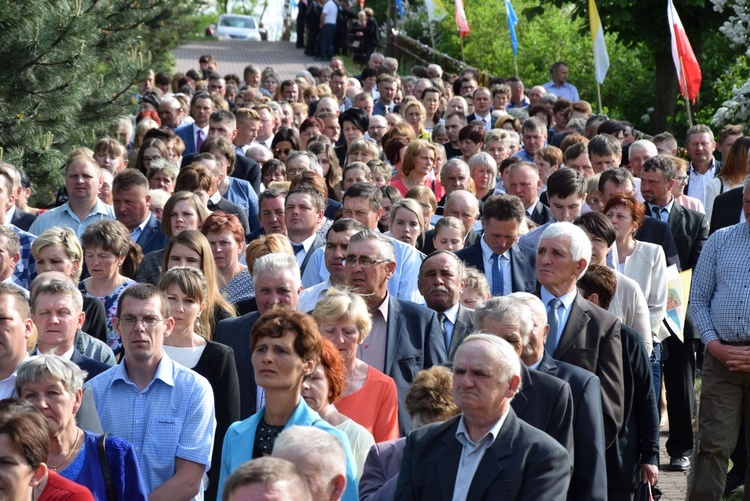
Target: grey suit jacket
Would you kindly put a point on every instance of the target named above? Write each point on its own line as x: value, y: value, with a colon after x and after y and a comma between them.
x: 522, y: 464
x: 414, y: 342
x: 380, y: 473
x: 463, y: 327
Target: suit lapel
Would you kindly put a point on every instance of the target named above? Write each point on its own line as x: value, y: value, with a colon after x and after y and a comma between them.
x: 450, y: 457
x: 577, y: 321
x: 248, y: 351
x: 393, y: 331
x: 520, y: 401
x: 460, y: 330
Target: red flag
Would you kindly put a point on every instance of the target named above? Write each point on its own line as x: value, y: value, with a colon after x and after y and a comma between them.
x: 461, y: 22
x: 688, y: 70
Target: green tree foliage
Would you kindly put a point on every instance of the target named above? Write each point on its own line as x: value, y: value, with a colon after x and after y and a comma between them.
x: 70, y: 67
x: 546, y: 36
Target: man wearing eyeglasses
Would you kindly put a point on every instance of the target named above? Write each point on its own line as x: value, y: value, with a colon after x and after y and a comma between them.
x: 165, y: 410
x: 405, y: 337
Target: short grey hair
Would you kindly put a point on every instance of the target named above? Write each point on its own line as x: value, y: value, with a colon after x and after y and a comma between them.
x: 501, y: 135
x: 311, y: 448
x: 50, y: 368
x: 455, y: 162
x: 508, y: 362
x: 386, y: 244
x: 54, y: 286
x: 314, y: 164
x: 504, y: 310
x: 276, y: 264
x: 12, y: 242
x: 647, y: 146
x: 578, y: 243
x: 532, y: 302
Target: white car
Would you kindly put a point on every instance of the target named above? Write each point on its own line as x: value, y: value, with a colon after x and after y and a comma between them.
x: 237, y: 27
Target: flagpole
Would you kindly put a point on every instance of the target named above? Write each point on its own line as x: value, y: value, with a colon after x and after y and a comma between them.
x: 460, y: 37
x: 687, y: 94
x: 432, y: 37
x: 599, y: 96
x: 515, y: 63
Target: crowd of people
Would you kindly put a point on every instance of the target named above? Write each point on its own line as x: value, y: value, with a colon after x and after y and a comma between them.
x: 374, y: 287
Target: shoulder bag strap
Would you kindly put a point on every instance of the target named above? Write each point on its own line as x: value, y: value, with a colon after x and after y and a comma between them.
x: 111, y: 496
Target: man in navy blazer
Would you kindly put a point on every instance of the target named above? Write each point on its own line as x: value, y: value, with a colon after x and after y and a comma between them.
x: 22, y: 219
x: 405, y: 337
x: 727, y: 209
x: 543, y: 401
x: 522, y: 462
x: 201, y: 107
x: 498, y: 247
x: 130, y: 200
x: 270, y: 274
x: 589, y: 480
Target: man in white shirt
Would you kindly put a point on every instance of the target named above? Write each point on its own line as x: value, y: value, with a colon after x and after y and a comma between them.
x: 463, y: 457
x: 700, y: 146
x: 303, y: 212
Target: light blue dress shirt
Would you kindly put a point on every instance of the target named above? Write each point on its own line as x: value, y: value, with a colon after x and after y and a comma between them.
x: 65, y: 217
x: 173, y: 417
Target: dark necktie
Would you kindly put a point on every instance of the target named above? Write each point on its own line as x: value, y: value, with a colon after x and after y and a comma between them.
x: 658, y: 211
x: 498, y: 285
x: 554, y: 324
x: 201, y: 137
x: 442, y: 318
x: 297, y: 248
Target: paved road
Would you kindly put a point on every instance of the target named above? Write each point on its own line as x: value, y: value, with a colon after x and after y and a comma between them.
x: 233, y: 56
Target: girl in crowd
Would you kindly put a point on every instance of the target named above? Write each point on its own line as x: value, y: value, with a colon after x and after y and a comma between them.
x: 227, y: 240
x: 407, y: 222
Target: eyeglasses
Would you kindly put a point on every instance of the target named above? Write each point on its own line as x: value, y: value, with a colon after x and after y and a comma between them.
x: 681, y: 179
x: 130, y: 320
x: 285, y: 151
x: 364, y: 261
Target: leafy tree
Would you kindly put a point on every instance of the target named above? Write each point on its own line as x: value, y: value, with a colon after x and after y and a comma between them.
x: 644, y: 22
x: 70, y: 67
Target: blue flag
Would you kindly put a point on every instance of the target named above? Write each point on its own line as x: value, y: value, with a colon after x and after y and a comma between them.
x: 512, y: 21
x: 400, y: 6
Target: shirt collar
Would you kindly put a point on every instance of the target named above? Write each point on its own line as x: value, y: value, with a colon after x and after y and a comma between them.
x: 9, y: 215
x: 215, y: 198
x: 306, y: 243
x: 567, y: 299
x: 462, y: 434
x: 163, y: 371
x: 487, y: 252
x: 452, y: 313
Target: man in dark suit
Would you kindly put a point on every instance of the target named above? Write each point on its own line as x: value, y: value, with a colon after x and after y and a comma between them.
x: 727, y: 210
x: 193, y: 135
x: 652, y: 230
x: 57, y: 314
x: 442, y: 279
x: 543, y: 401
x: 634, y: 456
x: 405, y: 337
x: 303, y: 212
x: 130, y: 200
x: 580, y: 333
x: 690, y: 232
x: 277, y: 282
x: 482, y: 108
x: 21, y: 219
x: 589, y: 480
x: 524, y: 182
x: 522, y: 463
x: 508, y: 268
x: 223, y: 123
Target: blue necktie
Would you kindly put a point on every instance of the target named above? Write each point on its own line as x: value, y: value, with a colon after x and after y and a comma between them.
x: 658, y: 211
x: 442, y: 318
x: 297, y: 248
x: 554, y: 324
x: 498, y: 285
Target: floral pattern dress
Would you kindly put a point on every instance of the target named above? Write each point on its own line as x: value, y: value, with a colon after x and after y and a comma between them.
x: 110, y: 302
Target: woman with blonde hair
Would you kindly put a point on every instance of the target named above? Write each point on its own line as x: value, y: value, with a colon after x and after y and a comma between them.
x: 426, y: 199
x: 369, y: 397
x: 417, y: 164
x: 190, y: 344
x: 415, y: 115
x: 407, y: 221
x: 191, y: 248
x: 182, y: 211
x: 329, y: 162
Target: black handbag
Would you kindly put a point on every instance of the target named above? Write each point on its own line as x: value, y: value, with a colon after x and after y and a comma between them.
x: 647, y: 492
x: 111, y: 496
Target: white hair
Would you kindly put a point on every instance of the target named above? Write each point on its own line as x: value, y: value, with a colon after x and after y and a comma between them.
x: 313, y: 451
x: 508, y: 362
x: 276, y: 264
x: 579, y: 244
x: 502, y: 311
x: 647, y: 146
